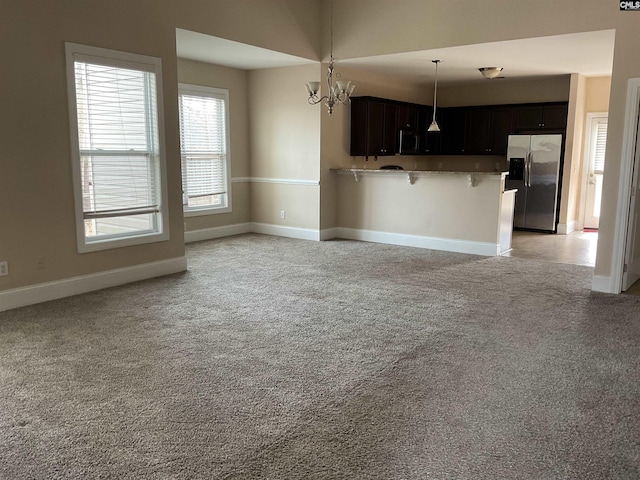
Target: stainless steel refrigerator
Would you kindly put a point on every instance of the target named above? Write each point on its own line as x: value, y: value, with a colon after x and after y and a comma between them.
x: 534, y: 169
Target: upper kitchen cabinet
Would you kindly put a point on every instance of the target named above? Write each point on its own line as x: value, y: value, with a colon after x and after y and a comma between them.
x: 476, y: 140
x: 373, y: 127
x: 488, y: 129
x: 548, y: 116
x: 453, y: 126
x: 408, y: 114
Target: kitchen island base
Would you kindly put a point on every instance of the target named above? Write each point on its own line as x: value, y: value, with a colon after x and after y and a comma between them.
x: 466, y: 212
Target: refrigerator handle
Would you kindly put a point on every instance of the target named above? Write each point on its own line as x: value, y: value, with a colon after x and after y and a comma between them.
x: 528, y: 181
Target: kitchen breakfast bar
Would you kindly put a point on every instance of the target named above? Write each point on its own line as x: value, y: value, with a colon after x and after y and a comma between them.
x: 467, y: 212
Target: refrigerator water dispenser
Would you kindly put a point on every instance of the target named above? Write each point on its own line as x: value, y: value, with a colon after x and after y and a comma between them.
x: 516, y: 169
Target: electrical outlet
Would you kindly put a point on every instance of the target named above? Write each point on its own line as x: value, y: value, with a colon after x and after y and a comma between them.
x: 477, y: 165
x: 283, y: 214
x: 4, y: 268
x: 40, y: 265
x: 439, y: 164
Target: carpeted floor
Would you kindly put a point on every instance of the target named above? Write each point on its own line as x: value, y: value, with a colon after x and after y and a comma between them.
x: 287, y: 359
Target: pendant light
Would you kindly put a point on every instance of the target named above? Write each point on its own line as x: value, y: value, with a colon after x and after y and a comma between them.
x: 338, y: 93
x: 434, y: 125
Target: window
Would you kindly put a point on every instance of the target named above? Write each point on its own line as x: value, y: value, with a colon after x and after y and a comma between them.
x: 204, y: 144
x: 118, y: 151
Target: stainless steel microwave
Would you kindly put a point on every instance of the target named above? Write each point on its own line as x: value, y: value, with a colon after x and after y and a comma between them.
x: 409, y: 142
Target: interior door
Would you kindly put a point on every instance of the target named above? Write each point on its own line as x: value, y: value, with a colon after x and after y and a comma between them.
x: 595, y: 168
x: 632, y: 250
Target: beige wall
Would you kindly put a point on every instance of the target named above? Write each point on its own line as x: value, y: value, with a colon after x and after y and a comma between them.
x: 598, y: 91
x: 301, y: 204
x: 37, y: 225
x: 573, y: 154
x: 376, y: 27
x: 37, y: 217
x: 506, y: 90
x: 236, y: 81
x: 438, y: 205
x: 285, y: 147
x: 597, y: 94
x: 336, y: 134
x: 36, y: 199
x: 420, y: 25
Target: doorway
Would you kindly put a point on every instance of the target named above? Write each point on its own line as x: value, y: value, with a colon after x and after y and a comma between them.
x: 596, y: 143
x: 626, y: 252
x: 576, y: 248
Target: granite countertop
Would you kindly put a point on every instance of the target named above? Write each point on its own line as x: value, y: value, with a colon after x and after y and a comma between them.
x: 404, y: 172
x: 472, y: 177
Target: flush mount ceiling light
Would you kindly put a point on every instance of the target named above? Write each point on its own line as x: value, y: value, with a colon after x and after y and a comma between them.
x: 338, y: 93
x: 434, y: 125
x: 490, y: 72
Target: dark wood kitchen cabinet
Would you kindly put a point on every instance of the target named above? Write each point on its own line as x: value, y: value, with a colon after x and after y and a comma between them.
x: 408, y: 114
x: 373, y: 127
x: 431, y: 142
x: 488, y: 129
x: 453, y: 128
x: 548, y: 116
x: 476, y: 139
x: 478, y: 130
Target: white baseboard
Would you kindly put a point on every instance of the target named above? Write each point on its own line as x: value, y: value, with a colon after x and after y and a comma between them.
x: 328, y: 233
x: 282, y: 231
x: 43, y: 292
x: 566, y: 228
x: 434, y: 243
x: 600, y: 283
x: 251, y: 227
x: 216, y: 232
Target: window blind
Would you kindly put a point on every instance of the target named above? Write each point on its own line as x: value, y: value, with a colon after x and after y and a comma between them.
x: 203, y: 139
x: 117, y: 134
x: 600, y: 146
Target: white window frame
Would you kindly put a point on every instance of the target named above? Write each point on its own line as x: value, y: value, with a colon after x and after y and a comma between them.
x: 203, y: 91
x: 103, y: 56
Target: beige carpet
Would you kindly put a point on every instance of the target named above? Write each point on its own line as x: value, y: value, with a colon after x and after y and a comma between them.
x: 278, y: 358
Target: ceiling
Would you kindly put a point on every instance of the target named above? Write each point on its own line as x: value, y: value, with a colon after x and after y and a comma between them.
x: 588, y: 53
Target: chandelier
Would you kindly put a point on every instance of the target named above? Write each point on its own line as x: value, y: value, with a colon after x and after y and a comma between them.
x: 338, y: 93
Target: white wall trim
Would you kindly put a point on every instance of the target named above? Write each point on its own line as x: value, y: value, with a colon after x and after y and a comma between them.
x: 434, y: 243
x: 43, y: 292
x: 566, y: 228
x: 281, y: 181
x: 282, y: 231
x: 624, y: 182
x: 328, y: 233
x: 600, y: 283
x: 216, y: 232
x: 252, y: 227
